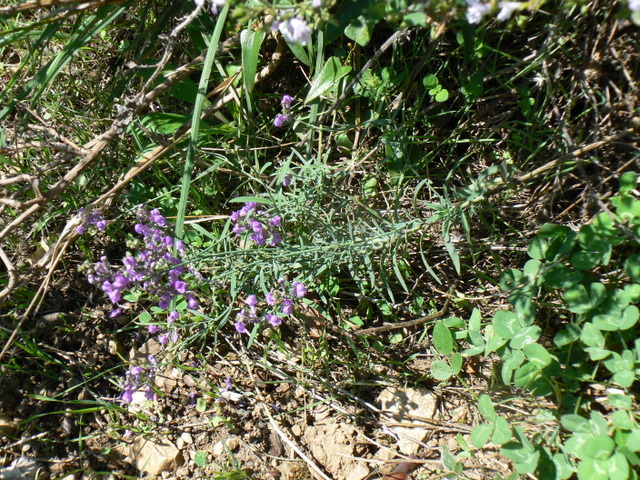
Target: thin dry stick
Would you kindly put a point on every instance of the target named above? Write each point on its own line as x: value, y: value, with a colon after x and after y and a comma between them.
x: 293, y: 446
x: 409, y: 323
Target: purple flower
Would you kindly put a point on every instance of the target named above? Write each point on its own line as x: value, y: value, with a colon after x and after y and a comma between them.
x: 299, y: 289
x: 180, y: 286
x: 270, y: 298
x: 101, y: 225
x: 287, y: 307
x: 153, y: 329
x: 173, y: 316
x: 251, y: 300
x: 192, y: 303
x: 280, y: 120
x: 81, y: 229
x: 240, y: 327
x: 286, y: 181
x: 114, y: 313
x: 274, y: 320
x: 157, y: 218
x: 295, y: 30
x: 286, y: 101
x: 275, y: 221
x: 276, y: 238
x: 127, y: 395
x: 163, y: 339
x: 148, y: 393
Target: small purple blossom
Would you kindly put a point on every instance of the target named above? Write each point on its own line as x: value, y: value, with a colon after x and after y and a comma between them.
x: 286, y: 101
x: 264, y: 230
x: 287, y: 307
x: 270, y: 298
x: 127, y: 395
x: 153, y: 329
x: 240, y: 327
x: 280, y: 120
x: 286, y: 181
x: 299, y: 289
x: 274, y: 320
x: 251, y: 300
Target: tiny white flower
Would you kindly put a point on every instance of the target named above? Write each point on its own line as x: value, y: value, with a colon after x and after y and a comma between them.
x: 295, y: 30
x: 199, y: 3
x: 634, y: 5
x: 507, y: 9
x: 316, y: 3
x: 215, y: 4
x: 476, y: 11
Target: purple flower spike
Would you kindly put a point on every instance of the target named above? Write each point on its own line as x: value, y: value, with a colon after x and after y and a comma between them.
x: 157, y: 218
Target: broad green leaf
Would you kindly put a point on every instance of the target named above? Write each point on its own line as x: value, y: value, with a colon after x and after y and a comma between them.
x: 524, y: 459
x: 625, y: 378
x: 592, y: 336
x: 442, y: 339
x: 525, y: 337
x: 327, y: 78
x: 585, y: 260
x: 537, y: 248
x: 599, y: 424
x: 485, y: 406
x: 592, y: 469
x: 480, y: 434
x: 537, y: 355
x: 618, y: 467
x: 597, y: 353
x: 598, y: 447
x: 250, y: 42
x: 564, y: 468
x: 475, y: 320
x: 622, y: 420
x: 506, y: 323
x: 441, y: 370
x: 200, y: 458
x: 430, y: 81
x: 628, y: 181
x: 632, y: 267
x: 456, y: 363
x: 442, y: 95
x: 620, y: 401
x: 359, y: 30
x: 575, y: 423
x: 570, y: 334
x: 561, y: 276
x: 502, y: 431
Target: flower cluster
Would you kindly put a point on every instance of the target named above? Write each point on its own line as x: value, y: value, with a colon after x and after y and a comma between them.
x: 139, y: 379
x: 278, y: 304
x: 293, y: 29
x: 263, y: 228
x: 154, y: 269
x: 477, y: 10
x: 284, y: 116
x: 89, y: 216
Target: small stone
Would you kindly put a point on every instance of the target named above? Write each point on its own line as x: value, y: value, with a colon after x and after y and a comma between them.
x: 296, y: 430
x: 359, y: 472
x: 187, y: 438
x: 154, y: 457
x: 22, y: 468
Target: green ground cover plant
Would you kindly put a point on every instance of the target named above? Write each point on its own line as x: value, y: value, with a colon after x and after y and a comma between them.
x: 236, y: 219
